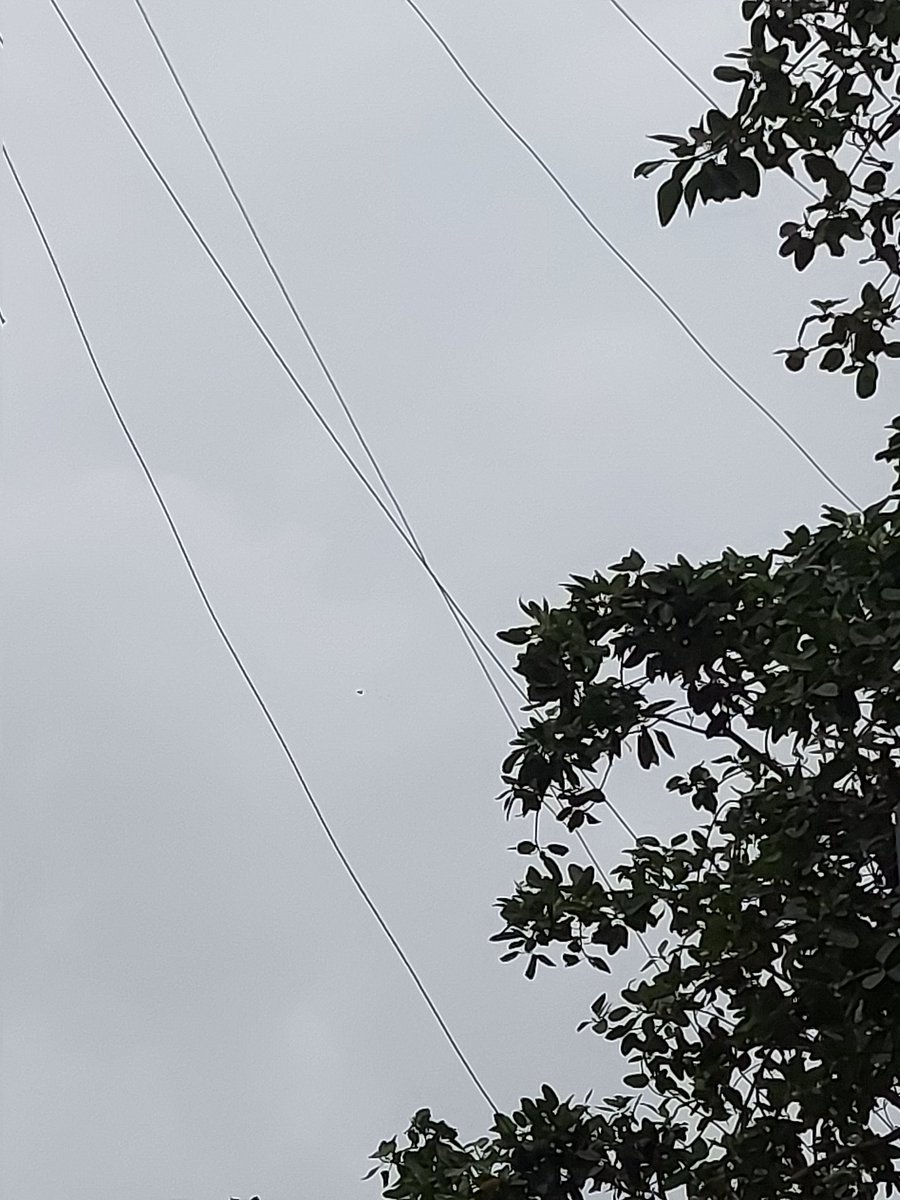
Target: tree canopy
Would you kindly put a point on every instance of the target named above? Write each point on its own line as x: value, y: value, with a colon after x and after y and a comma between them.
x: 763, y: 1032
x: 816, y: 98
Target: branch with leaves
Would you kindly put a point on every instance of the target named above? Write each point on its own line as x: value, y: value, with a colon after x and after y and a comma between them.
x: 817, y: 101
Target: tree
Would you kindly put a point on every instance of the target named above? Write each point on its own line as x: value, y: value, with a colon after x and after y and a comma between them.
x: 818, y: 101
x: 764, y: 1031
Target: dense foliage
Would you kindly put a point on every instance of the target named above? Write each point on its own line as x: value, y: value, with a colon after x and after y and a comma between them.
x: 763, y: 1032
x: 817, y: 89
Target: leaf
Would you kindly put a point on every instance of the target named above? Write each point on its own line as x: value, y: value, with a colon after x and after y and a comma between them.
x: 843, y: 937
x: 730, y: 74
x: 668, y: 198
x: 870, y: 295
x: 663, y: 738
x: 638, y: 1080
x: 517, y: 637
x: 832, y: 360
x: 828, y: 690
x: 645, y: 169
x: 647, y: 753
x: 867, y: 380
x: 747, y: 173
x: 668, y: 138
x: 887, y: 950
x: 631, y: 562
x: 803, y: 255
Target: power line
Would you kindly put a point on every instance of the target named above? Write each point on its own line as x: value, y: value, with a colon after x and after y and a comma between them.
x: 279, y: 357
x: 623, y: 259
x: 685, y: 75
x: 467, y: 628
x: 455, y: 612
x: 236, y: 658
x: 273, y: 271
x: 663, y: 53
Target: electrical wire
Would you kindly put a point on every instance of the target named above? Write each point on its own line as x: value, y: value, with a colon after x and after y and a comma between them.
x: 685, y: 75
x: 663, y: 53
x: 459, y: 617
x: 282, y: 287
x: 236, y: 657
x: 273, y: 271
x: 622, y: 258
x: 279, y: 357
x: 467, y: 628
x: 403, y: 530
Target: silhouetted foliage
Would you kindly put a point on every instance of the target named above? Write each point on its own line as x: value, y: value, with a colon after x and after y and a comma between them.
x: 762, y: 1035
x: 816, y: 98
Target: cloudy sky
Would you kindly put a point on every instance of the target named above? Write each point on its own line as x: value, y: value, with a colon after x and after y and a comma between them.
x: 197, y: 1003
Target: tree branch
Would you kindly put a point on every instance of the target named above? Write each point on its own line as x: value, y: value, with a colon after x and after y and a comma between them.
x: 844, y: 1152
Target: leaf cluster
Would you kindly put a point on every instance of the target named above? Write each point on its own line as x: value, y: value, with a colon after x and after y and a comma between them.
x: 762, y: 1033
x: 817, y: 99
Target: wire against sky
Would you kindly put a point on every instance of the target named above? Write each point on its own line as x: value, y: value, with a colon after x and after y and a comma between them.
x: 273, y: 271
x: 623, y: 259
x: 685, y: 75
x: 457, y: 614
x: 236, y: 658
x: 662, y: 52
x: 279, y: 357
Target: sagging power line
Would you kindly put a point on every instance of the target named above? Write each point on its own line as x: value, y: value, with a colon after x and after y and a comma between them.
x: 234, y: 653
x: 623, y: 258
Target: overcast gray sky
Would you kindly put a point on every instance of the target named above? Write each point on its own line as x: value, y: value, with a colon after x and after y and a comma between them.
x: 197, y: 1004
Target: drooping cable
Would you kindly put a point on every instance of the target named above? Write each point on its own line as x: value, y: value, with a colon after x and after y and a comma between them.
x: 282, y: 287
x: 273, y: 271
x: 685, y: 75
x: 663, y: 53
x: 236, y: 657
x: 622, y: 258
x: 460, y: 619
x: 273, y: 349
x: 458, y: 613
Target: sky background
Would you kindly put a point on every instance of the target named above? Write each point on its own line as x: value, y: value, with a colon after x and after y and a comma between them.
x: 197, y: 1005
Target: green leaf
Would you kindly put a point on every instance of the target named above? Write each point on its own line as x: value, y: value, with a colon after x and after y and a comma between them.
x: 647, y: 753
x: 668, y: 198
x: 843, y: 937
x: 631, y: 562
x: 730, y: 74
x: 663, y: 738
x: 517, y: 637
x: 645, y: 169
x: 828, y: 690
x: 867, y: 380
x: 747, y: 173
x: 638, y: 1080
